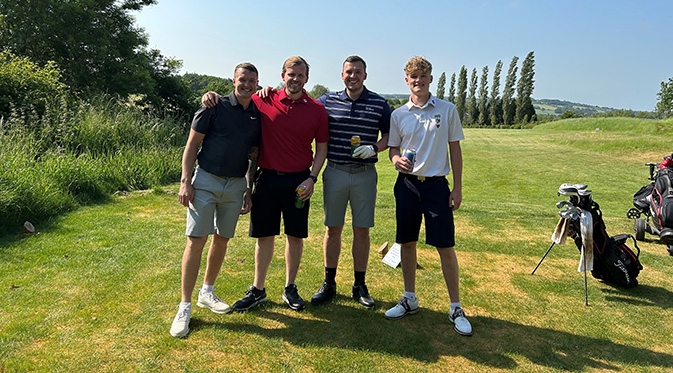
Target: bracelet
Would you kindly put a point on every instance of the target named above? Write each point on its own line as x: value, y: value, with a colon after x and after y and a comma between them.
x: 376, y: 148
x: 315, y: 179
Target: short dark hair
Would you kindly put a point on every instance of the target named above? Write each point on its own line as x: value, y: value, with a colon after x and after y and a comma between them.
x: 246, y: 66
x: 354, y: 58
x: 295, y: 61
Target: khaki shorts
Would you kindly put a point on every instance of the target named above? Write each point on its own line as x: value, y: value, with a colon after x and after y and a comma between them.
x: 216, y: 206
x: 343, y: 183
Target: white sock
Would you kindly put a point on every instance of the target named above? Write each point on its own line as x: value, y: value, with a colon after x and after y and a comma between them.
x: 207, y: 288
x: 184, y: 305
x: 410, y: 295
x: 454, y: 305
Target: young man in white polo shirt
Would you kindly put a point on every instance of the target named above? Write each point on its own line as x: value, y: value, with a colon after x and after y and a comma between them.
x: 426, y: 124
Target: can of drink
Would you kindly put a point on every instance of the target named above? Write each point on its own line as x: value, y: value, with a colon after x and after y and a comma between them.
x: 298, y: 202
x: 410, y: 154
x: 355, y: 143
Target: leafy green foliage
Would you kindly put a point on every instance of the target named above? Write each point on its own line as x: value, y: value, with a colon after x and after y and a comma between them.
x: 461, y: 93
x: 73, y: 156
x: 441, y: 86
x: 483, y: 98
x: 472, y: 109
x: 204, y: 83
x: 318, y: 90
x: 97, y: 48
x: 26, y: 87
x: 495, y: 112
x: 508, y: 102
x: 452, y: 89
x: 525, y: 112
x: 664, y: 107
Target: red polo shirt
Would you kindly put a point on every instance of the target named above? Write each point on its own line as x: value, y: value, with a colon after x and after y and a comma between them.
x: 288, y: 130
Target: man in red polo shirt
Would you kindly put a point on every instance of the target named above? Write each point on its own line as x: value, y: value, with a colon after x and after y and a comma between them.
x: 291, y: 121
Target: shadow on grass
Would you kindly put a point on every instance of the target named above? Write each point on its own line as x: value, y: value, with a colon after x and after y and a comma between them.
x: 429, y: 335
x: 642, y: 295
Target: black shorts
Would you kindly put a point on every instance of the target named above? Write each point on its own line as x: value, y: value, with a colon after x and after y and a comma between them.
x: 273, y: 195
x: 415, y: 199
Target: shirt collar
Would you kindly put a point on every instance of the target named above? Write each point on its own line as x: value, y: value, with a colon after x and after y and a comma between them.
x: 282, y: 96
x: 431, y: 102
x: 344, y: 96
x: 233, y: 99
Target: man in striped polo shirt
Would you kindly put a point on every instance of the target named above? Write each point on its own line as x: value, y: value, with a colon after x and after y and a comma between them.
x: 355, y: 111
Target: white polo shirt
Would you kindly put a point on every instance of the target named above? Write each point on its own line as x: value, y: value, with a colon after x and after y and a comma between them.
x: 428, y: 129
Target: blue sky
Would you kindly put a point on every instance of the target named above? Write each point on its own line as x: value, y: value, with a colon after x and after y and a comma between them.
x: 605, y: 52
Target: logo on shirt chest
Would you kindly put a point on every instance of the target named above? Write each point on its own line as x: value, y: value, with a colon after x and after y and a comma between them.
x: 438, y: 120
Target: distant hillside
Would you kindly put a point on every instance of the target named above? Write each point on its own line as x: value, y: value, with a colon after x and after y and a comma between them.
x: 557, y: 107
x: 543, y: 106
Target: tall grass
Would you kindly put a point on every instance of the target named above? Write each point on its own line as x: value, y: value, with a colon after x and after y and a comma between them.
x: 81, y: 153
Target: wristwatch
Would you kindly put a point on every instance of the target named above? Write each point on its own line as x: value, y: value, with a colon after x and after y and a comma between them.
x: 315, y: 179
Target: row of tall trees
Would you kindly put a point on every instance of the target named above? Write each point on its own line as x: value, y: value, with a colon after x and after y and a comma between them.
x: 96, y: 48
x: 477, y: 107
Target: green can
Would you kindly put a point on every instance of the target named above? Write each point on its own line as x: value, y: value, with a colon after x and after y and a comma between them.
x: 298, y: 202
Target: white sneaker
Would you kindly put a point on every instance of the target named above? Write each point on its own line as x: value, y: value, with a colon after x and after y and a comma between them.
x: 208, y: 299
x: 180, y: 326
x: 404, y: 307
x: 460, y: 323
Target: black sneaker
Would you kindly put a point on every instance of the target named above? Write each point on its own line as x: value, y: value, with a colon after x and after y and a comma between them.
x: 292, y: 298
x: 253, y: 297
x: 361, y: 294
x: 326, y: 292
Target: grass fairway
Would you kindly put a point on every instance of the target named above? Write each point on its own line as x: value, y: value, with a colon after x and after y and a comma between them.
x: 97, y: 289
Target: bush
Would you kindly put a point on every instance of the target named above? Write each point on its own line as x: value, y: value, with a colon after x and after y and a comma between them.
x: 26, y: 87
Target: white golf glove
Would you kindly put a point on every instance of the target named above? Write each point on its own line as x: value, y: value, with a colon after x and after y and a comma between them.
x: 364, y: 151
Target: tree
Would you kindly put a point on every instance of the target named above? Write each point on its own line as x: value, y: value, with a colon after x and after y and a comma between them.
x: 204, y: 83
x: 472, y: 113
x: 664, y: 107
x: 452, y: 89
x: 483, y: 98
x: 461, y: 95
x: 495, y: 114
x: 525, y: 111
x: 441, y: 86
x: 508, y: 93
x: 318, y: 90
x: 95, y: 45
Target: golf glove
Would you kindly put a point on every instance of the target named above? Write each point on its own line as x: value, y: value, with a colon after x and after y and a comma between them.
x: 364, y: 151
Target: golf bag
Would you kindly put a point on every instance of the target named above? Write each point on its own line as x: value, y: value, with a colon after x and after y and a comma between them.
x: 662, y: 198
x: 614, y: 261
x: 654, y: 203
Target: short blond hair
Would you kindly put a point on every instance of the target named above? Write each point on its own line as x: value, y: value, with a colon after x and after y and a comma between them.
x: 295, y: 61
x: 418, y: 63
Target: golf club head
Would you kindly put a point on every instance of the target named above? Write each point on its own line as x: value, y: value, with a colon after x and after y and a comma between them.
x: 561, y: 204
x: 568, y: 189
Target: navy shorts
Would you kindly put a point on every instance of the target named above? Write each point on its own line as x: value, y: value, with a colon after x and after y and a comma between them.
x: 273, y: 196
x: 429, y: 199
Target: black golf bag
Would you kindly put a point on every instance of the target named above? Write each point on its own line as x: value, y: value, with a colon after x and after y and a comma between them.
x: 614, y: 261
x: 662, y: 198
x: 655, y: 202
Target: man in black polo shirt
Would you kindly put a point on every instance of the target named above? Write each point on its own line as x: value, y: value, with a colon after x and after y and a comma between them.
x: 218, y: 190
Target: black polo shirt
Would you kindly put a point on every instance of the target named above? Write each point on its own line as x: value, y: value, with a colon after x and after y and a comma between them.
x: 230, y: 133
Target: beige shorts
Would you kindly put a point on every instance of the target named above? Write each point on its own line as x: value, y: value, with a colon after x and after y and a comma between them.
x: 216, y: 206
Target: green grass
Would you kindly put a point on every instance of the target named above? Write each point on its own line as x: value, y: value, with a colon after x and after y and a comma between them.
x: 97, y: 288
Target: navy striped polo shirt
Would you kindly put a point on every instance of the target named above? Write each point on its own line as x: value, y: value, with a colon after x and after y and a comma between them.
x: 366, y: 117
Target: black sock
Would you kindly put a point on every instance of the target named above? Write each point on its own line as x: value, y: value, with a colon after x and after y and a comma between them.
x: 330, y: 275
x: 359, y: 278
